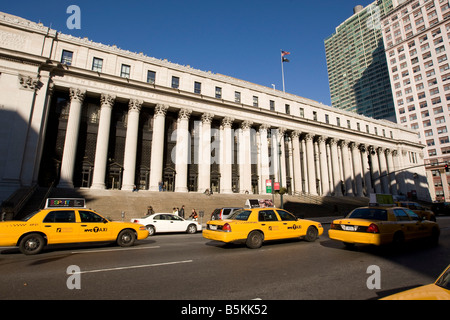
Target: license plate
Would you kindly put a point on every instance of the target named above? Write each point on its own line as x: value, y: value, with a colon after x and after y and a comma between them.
x: 350, y: 228
x: 212, y: 227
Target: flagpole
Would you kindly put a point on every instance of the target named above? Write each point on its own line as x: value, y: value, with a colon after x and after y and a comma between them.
x: 282, y: 70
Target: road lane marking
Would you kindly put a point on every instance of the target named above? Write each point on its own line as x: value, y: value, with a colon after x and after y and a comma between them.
x: 135, y: 267
x: 112, y: 250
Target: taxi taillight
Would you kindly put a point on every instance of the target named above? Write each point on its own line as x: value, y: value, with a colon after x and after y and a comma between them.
x: 373, y: 228
x: 226, y: 227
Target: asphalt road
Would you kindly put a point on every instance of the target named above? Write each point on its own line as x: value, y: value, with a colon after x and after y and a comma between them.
x: 181, y: 266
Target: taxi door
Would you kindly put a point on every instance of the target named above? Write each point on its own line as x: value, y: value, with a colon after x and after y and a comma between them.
x: 290, y: 227
x: 60, y: 226
x: 408, y: 226
x: 270, y: 224
x: 94, y: 227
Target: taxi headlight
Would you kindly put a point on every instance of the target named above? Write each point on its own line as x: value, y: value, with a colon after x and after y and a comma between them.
x: 143, y: 228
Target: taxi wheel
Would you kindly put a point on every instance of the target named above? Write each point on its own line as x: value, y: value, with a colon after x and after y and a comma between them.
x: 191, y: 229
x: 311, y: 234
x: 255, y: 240
x: 32, y: 244
x: 126, y: 238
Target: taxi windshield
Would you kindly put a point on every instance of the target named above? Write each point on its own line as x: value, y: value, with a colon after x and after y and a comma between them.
x: 241, y: 214
x: 444, y: 280
x: 369, y: 213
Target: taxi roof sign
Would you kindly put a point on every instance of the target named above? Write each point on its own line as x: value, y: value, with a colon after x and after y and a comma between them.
x: 377, y: 199
x: 65, y: 203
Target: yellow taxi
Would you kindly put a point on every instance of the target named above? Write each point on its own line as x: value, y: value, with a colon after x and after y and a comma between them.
x: 256, y: 225
x: 417, y: 208
x: 378, y: 225
x: 439, y: 290
x: 66, y: 221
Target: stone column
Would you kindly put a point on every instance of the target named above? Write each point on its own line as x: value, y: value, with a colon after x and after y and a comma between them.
x: 297, y: 176
x: 375, y: 169
x: 400, y: 176
x: 245, y: 158
x: 282, y: 158
x: 70, y: 144
x: 264, y: 158
x: 324, y: 179
x: 156, y: 156
x: 335, y: 161
x: 204, y: 166
x: 310, y: 164
x: 101, y: 151
x: 182, y: 149
x: 346, y: 167
x: 129, y: 162
x: 391, y: 171
x: 366, y: 169
x: 227, y: 155
x: 356, y: 157
x: 383, y: 170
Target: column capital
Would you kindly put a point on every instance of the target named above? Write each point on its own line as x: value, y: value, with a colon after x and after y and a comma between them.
x: 77, y: 94
x: 227, y: 122
x: 321, y: 139
x: 344, y: 143
x: 308, y: 136
x: 107, y: 100
x: 379, y: 150
x: 184, y: 114
x: 207, y: 118
x: 161, y: 109
x: 332, y: 141
x: 281, y: 131
x: 264, y: 127
x: 295, y: 134
x: 135, y: 105
x: 246, y: 125
x: 30, y: 83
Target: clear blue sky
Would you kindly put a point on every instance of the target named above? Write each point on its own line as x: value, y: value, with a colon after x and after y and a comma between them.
x: 238, y: 38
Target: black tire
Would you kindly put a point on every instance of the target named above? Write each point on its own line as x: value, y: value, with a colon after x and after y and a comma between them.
x: 191, y: 229
x: 399, y: 240
x: 311, y: 234
x: 434, y: 239
x: 255, y: 240
x: 151, y: 230
x: 126, y: 238
x: 32, y: 243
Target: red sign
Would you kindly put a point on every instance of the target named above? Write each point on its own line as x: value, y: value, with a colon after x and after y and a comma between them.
x: 276, y: 186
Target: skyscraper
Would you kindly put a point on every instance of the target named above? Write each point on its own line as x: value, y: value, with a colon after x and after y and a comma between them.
x: 357, y: 67
x: 416, y: 36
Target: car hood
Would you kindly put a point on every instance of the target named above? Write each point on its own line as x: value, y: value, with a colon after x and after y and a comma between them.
x: 428, y: 292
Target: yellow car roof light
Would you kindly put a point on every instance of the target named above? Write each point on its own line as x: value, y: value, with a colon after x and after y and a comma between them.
x: 65, y: 203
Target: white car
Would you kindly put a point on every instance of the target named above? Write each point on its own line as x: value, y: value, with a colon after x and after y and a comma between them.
x: 168, y: 222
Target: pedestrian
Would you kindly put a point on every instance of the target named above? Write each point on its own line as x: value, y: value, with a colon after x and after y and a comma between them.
x: 194, y: 215
x: 150, y: 211
x: 181, y: 212
x: 175, y: 211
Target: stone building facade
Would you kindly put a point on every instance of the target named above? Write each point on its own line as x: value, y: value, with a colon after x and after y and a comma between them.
x: 82, y: 114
